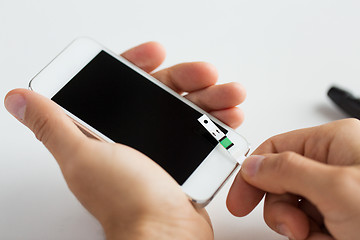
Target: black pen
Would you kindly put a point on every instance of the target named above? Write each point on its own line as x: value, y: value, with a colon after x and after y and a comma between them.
x: 346, y: 101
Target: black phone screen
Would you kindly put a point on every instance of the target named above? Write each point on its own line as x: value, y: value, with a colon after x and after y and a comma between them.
x: 129, y: 109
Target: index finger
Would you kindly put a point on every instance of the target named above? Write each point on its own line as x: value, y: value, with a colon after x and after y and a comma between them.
x: 293, y: 141
x: 329, y: 143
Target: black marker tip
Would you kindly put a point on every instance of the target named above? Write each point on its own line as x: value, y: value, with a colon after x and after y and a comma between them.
x: 345, y: 100
x: 338, y: 94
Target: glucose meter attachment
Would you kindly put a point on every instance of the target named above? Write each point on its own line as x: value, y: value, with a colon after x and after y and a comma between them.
x: 221, y: 138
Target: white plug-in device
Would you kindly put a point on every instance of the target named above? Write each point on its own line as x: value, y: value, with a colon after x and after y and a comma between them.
x: 210, y: 126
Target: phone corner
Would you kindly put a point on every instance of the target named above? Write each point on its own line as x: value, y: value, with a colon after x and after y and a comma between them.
x: 200, y: 204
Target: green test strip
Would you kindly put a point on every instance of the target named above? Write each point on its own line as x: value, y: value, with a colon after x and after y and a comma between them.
x: 215, y: 132
x: 226, y: 143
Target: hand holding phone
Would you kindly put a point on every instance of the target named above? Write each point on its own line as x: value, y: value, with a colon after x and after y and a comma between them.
x: 113, y: 100
x: 118, y: 185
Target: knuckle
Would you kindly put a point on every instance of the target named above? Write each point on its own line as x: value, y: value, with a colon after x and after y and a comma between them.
x: 266, y: 147
x: 42, y: 129
x: 288, y: 156
x: 284, y: 160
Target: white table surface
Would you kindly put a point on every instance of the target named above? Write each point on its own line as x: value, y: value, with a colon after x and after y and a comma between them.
x: 286, y: 54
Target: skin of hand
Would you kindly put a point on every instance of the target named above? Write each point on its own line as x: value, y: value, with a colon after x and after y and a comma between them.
x: 311, y: 178
x: 130, y: 195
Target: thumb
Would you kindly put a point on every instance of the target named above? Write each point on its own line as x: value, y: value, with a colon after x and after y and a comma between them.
x: 289, y: 172
x: 47, y: 120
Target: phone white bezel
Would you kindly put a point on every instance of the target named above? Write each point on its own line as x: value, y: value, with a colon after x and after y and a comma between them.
x: 214, y: 170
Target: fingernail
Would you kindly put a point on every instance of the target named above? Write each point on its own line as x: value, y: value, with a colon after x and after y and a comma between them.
x: 251, y: 165
x: 285, y: 231
x: 16, y: 105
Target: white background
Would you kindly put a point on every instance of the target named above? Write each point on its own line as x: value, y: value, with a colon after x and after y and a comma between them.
x: 286, y: 54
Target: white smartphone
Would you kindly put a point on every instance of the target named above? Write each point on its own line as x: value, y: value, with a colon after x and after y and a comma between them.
x: 112, y: 100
